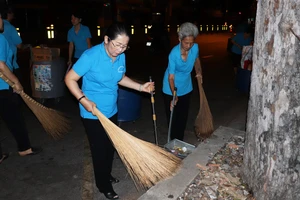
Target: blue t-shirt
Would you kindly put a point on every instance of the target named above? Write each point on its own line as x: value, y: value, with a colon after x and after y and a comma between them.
x: 79, y: 39
x: 181, y: 70
x: 100, y: 79
x: 239, y: 38
x: 13, y: 38
x: 6, y: 55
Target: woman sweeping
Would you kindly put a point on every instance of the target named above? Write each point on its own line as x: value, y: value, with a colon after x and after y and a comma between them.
x: 102, y: 68
x: 10, y: 110
x: 182, y: 59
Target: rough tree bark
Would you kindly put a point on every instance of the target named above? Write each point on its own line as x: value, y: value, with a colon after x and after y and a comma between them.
x: 272, y: 159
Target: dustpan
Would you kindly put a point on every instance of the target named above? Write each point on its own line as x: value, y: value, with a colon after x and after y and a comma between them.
x: 177, y: 147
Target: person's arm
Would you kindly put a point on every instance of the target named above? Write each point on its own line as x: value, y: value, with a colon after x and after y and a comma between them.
x: 88, y: 41
x: 71, y: 81
x: 6, y: 72
x: 80, y: 68
x: 236, y: 44
x: 88, y: 38
x: 129, y: 83
x: 198, y: 68
x: 71, y: 49
x: 171, y: 70
x: 16, y: 39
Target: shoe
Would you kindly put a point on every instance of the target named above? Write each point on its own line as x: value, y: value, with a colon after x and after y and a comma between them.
x: 4, y: 157
x: 113, y: 180
x: 35, y: 150
x: 111, y: 195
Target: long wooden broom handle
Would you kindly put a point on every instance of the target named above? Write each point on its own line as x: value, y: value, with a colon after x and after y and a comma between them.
x: 201, y: 92
x: 9, y: 82
x: 22, y: 93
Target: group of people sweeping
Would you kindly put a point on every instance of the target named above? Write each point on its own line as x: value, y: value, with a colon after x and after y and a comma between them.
x: 102, y: 69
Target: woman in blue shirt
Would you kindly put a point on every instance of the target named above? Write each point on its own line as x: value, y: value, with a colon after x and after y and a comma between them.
x: 10, y: 110
x: 79, y: 38
x: 182, y: 59
x: 102, y: 69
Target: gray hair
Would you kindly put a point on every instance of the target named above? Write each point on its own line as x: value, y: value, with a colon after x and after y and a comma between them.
x: 187, y: 29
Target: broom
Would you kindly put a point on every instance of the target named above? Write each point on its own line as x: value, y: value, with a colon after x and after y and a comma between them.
x: 54, y: 122
x: 204, y: 122
x: 145, y: 162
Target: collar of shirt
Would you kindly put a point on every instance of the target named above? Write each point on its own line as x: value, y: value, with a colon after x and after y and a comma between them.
x: 106, y: 56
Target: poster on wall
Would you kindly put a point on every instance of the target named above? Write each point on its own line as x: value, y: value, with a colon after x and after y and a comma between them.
x: 42, y: 78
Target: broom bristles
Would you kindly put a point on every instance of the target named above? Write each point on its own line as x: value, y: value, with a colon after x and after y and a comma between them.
x: 54, y: 122
x: 145, y: 162
x: 204, y: 122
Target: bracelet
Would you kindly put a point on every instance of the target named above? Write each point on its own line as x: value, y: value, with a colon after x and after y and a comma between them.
x: 140, y: 89
x: 81, y: 98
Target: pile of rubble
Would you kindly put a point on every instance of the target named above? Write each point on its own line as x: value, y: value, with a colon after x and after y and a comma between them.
x: 221, y: 178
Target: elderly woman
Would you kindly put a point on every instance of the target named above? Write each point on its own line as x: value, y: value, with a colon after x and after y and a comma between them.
x: 182, y: 59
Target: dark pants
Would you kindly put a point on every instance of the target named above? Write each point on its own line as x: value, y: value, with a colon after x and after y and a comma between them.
x: 236, y: 60
x: 10, y: 112
x: 180, y: 115
x: 1, y: 154
x: 102, y: 152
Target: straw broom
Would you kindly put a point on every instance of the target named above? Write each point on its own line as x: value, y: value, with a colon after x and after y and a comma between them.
x: 204, y: 122
x: 54, y: 122
x: 145, y: 162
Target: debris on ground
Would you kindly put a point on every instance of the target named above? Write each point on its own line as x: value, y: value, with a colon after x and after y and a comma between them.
x: 220, y: 179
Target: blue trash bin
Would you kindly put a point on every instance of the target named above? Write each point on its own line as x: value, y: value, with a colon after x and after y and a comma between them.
x: 129, y: 105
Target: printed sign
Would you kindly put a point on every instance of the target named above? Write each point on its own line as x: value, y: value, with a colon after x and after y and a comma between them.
x: 42, y: 78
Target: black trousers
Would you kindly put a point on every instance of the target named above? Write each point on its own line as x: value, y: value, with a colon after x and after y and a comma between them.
x: 180, y: 115
x: 10, y: 112
x: 102, y: 152
x: 1, y: 153
x: 236, y: 60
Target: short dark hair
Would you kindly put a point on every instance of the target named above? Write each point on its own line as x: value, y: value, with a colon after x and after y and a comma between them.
x: 116, y: 29
x: 5, y: 10
x: 77, y: 14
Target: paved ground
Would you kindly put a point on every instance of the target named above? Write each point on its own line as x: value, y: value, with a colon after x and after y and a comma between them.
x: 63, y: 170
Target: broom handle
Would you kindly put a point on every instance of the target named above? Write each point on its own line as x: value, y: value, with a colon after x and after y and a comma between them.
x: 22, y: 93
x: 9, y: 82
x: 171, y: 115
x: 201, y: 92
x: 153, y: 114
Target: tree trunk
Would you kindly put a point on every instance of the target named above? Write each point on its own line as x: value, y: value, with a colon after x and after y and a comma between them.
x: 272, y: 159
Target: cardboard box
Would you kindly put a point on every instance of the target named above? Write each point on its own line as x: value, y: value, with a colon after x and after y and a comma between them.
x: 44, y: 54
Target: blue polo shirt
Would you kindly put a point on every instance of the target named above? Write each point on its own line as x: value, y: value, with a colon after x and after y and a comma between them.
x: 79, y: 39
x: 239, y: 38
x: 181, y: 70
x: 100, y: 79
x: 13, y: 38
x: 5, y: 56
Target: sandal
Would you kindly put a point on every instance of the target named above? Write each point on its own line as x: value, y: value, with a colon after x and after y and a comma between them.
x: 4, y: 157
x: 34, y: 151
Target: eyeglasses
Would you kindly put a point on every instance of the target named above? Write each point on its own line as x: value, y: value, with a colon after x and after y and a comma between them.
x: 123, y: 47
